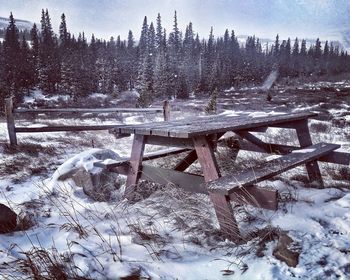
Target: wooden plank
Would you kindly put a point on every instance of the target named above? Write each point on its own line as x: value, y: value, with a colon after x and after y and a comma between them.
x: 335, y: 157
x: 163, y: 128
x: 190, y: 158
x: 304, y: 137
x: 256, y: 196
x: 186, y: 181
x: 254, y: 140
x: 234, y: 123
x: 247, y: 124
x: 226, y: 185
x: 169, y: 142
x: 92, y: 110
x: 186, y: 128
x: 63, y: 128
x: 180, y: 130
x: 163, y: 153
x: 222, y: 205
x: 137, y: 150
x: 146, y: 128
x: 10, y: 121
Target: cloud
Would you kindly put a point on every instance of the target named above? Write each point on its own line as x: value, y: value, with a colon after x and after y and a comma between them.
x: 264, y: 18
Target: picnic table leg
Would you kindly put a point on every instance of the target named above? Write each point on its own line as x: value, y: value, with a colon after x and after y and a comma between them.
x: 222, y: 205
x: 138, y: 147
x: 305, y: 140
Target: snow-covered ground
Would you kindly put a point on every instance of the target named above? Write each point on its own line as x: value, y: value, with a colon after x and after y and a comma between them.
x: 171, y: 234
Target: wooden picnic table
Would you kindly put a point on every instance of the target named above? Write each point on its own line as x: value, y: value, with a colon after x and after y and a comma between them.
x: 199, y: 136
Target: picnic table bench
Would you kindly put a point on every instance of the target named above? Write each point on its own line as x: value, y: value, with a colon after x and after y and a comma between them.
x: 198, y: 136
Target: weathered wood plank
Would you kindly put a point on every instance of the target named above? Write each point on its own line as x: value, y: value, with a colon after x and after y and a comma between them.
x: 186, y: 128
x: 304, y: 137
x: 217, y: 124
x: 181, y: 130
x: 190, y: 158
x: 254, y: 140
x: 255, y: 196
x: 137, y: 150
x: 335, y: 157
x: 245, y: 124
x: 186, y: 181
x: 226, y: 185
x: 92, y: 110
x: 63, y: 128
x: 163, y: 153
x: 146, y: 127
x: 10, y: 121
x: 162, y: 127
x: 172, y: 142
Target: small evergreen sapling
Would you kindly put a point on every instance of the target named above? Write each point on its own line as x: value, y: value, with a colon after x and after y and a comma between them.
x: 212, y: 104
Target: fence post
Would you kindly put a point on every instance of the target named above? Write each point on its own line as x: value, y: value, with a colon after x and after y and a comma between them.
x: 10, y: 121
x: 166, y: 110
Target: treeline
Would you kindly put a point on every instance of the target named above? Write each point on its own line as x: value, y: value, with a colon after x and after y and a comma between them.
x: 160, y: 65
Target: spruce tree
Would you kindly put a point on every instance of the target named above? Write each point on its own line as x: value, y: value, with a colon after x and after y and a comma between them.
x: 159, y: 33
x: 49, y: 73
x: 35, y: 53
x: 142, y: 47
x: 131, y: 62
x: 12, y: 60
x: 146, y: 83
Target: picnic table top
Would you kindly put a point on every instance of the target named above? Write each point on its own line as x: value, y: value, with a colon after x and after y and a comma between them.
x: 205, y: 125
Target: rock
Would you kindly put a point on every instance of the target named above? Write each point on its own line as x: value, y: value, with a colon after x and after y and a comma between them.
x: 8, y: 219
x: 84, y: 159
x: 97, y: 183
x: 287, y: 250
x: 100, y: 185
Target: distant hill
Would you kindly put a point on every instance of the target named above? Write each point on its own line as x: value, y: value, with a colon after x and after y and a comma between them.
x: 21, y: 24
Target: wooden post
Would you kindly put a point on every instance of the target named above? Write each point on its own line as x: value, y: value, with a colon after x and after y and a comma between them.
x: 222, y: 205
x: 304, y: 138
x: 137, y: 150
x: 10, y: 121
x: 166, y: 110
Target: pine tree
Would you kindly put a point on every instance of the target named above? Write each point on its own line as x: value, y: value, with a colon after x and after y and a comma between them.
x: 27, y: 68
x: 12, y: 59
x: 131, y: 69
x: 176, y: 36
x: 143, y: 50
x: 49, y: 73
x: 146, y: 83
x: 63, y: 33
x: 35, y: 53
x: 151, y: 42
x: 211, y: 108
x: 159, y: 34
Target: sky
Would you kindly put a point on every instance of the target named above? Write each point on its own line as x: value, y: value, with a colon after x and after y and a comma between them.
x: 327, y: 19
